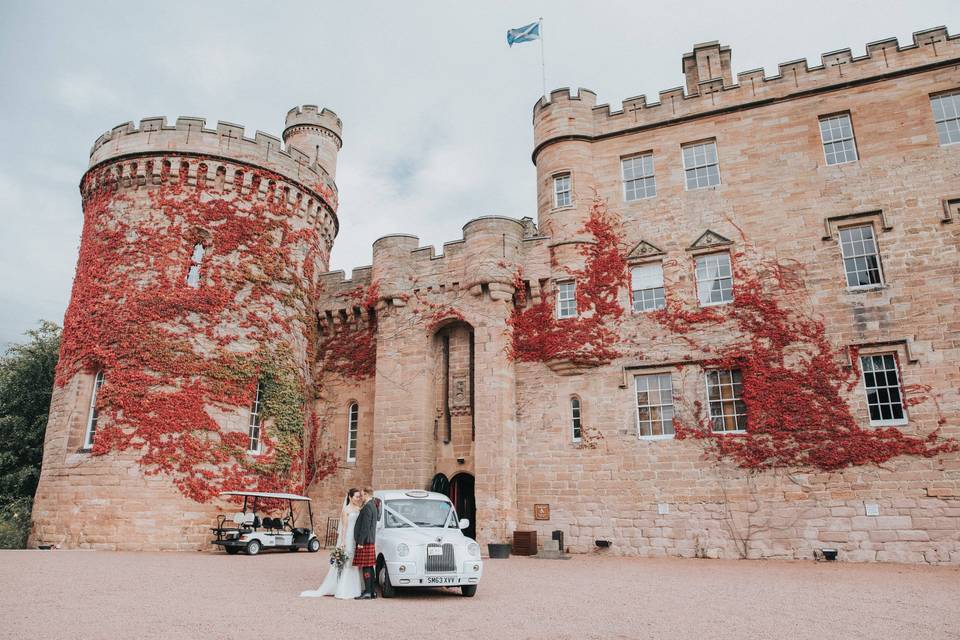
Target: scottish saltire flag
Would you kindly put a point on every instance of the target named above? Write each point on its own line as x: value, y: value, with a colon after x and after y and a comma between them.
x: 523, y: 34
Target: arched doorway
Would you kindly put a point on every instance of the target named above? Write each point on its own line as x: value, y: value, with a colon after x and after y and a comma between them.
x: 464, y: 500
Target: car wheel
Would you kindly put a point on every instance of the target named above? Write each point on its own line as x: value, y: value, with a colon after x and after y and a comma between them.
x: 468, y: 590
x: 232, y: 551
x: 253, y: 547
x: 386, y: 587
x: 313, y: 546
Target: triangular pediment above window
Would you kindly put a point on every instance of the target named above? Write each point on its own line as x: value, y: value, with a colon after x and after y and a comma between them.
x: 709, y: 239
x: 643, y: 250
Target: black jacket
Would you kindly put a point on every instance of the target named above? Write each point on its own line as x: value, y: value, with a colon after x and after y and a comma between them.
x: 365, y: 531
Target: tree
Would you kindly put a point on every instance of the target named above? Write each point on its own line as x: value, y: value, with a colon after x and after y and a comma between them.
x: 26, y: 384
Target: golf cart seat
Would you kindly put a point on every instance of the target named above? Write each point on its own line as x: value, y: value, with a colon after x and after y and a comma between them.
x: 239, y: 518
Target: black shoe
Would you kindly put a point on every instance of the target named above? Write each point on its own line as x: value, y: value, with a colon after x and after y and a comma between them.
x: 373, y: 596
x: 364, y: 596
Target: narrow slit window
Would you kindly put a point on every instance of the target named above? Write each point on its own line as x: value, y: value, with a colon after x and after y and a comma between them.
x: 647, y: 287
x: 562, y: 196
x: 701, y: 165
x: 861, y: 260
x: 654, y: 405
x: 946, y: 115
x: 353, y: 420
x: 839, y: 145
x: 193, y: 275
x: 566, y: 299
x: 714, y: 279
x: 256, y: 411
x: 728, y: 411
x: 575, y: 419
x: 881, y: 381
x: 91, y: 430
x: 638, y: 179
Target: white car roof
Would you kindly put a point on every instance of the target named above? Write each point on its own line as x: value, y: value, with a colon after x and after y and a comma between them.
x: 258, y: 494
x: 406, y: 494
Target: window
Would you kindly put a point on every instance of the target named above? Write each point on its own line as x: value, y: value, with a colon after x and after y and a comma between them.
x: 728, y: 412
x: 638, y: 179
x: 647, y: 286
x: 91, y: 429
x: 561, y: 191
x: 881, y: 380
x: 575, y: 417
x: 256, y: 409
x: 654, y: 405
x: 861, y: 262
x: 701, y: 165
x: 352, y: 420
x: 946, y: 113
x: 837, y: 135
x: 193, y: 275
x: 566, y: 299
x: 714, y: 279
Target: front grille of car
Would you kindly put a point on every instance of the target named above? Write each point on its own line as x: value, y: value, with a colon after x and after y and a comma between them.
x: 441, y: 564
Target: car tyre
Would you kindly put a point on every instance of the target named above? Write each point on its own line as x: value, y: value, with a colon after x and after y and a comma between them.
x: 313, y: 546
x: 468, y: 590
x: 253, y: 547
x: 232, y: 551
x: 387, y: 590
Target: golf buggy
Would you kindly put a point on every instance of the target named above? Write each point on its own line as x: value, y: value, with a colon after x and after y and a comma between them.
x: 248, y: 532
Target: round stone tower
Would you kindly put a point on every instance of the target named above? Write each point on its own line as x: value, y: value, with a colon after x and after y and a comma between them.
x: 185, y: 364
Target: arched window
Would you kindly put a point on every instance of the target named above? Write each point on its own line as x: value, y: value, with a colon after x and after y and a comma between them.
x: 91, y: 429
x: 193, y: 275
x: 575, y: 418
x: 353, y: 418
x: 256, y: 410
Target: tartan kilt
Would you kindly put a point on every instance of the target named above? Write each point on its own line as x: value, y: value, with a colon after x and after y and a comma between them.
x: 365, y: 556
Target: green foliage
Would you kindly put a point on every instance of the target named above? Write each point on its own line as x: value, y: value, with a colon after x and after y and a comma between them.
x: 26, y: 383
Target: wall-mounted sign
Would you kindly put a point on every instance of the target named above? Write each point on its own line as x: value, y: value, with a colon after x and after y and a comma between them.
x: 541, y: 512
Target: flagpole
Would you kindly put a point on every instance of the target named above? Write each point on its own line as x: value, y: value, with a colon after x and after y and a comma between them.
x: 543, y: 63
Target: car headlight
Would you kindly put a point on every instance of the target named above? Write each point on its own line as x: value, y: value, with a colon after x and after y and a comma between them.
x: 402, y: 549
x: 473, y: 549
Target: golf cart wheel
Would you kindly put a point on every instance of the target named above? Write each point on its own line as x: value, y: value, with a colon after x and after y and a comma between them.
x: 468, y: 590
x: 253, y: 547
x: 313, y: 546
x: 387, y: 589
x: 232, y: 551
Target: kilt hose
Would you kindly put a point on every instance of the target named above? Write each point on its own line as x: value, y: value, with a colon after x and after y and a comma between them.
x: 365, y: 555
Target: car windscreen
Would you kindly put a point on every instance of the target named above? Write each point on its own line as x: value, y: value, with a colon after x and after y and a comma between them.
x: 423, y: 513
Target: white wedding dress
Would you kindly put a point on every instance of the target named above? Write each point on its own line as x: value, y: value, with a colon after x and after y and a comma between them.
x: 349, y: 583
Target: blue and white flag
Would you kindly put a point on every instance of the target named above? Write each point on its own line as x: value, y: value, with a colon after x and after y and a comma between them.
x: 523, y: 34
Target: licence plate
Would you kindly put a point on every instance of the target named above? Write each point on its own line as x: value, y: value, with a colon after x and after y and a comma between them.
x: 434, y: 551
x: 441, y: 579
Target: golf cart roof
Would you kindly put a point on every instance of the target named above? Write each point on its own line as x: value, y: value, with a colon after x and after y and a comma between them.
x: 275, y: 496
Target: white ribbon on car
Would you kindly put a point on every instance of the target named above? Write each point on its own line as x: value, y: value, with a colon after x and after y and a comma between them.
x: 398, y: 516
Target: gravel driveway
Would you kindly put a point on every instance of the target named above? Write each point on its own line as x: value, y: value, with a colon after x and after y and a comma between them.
x: 100, y: 594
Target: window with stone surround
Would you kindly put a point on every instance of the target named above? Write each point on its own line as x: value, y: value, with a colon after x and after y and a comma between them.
x: 562, y: 194
x: 728, y: 411
x: 647, y: 287
x: 881, y: 382
x: 576, y: 417
x: 353, y: 420
x: 654, y: 405
x: 638, y: 179
x: 566, y: 299
x: 839, y: 145
x: 193, y: 274
x: 256, y: 411
x: 91, y: 429
x: 946, y: 114
x: 714, y: 279
x: 861, y: 260
x: 701, y: 165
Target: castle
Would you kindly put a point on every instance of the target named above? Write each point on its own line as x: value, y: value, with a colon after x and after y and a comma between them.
x: 731, y: 332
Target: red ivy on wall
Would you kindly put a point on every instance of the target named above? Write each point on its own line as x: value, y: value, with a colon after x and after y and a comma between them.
x: 350, y: 349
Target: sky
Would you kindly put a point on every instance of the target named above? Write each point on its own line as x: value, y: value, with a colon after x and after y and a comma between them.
x: 436, y: 108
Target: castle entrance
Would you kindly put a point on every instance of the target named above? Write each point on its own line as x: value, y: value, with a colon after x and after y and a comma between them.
x: 463, y: 498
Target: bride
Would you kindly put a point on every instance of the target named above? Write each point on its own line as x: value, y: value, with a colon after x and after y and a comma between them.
x: 346, y: 583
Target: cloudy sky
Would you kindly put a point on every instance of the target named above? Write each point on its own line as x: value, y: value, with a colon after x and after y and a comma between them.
x: 436, y: 107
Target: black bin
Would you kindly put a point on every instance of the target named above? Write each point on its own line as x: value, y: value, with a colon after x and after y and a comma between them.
x: 558, y: 536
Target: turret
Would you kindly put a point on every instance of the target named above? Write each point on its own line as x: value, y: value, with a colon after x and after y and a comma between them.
x: 317, y: 133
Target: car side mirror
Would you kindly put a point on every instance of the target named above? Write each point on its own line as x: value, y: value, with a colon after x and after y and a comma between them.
x: 464, y: 523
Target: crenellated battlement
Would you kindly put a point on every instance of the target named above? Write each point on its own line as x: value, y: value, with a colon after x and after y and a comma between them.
x: 310, y: 115
x: 577, y: 115
x: 227, y: 141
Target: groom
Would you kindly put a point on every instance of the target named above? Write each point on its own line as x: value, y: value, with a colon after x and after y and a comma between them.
x: 365, y: 534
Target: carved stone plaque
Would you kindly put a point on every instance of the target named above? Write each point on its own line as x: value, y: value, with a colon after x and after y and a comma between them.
x: 541, y: 512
